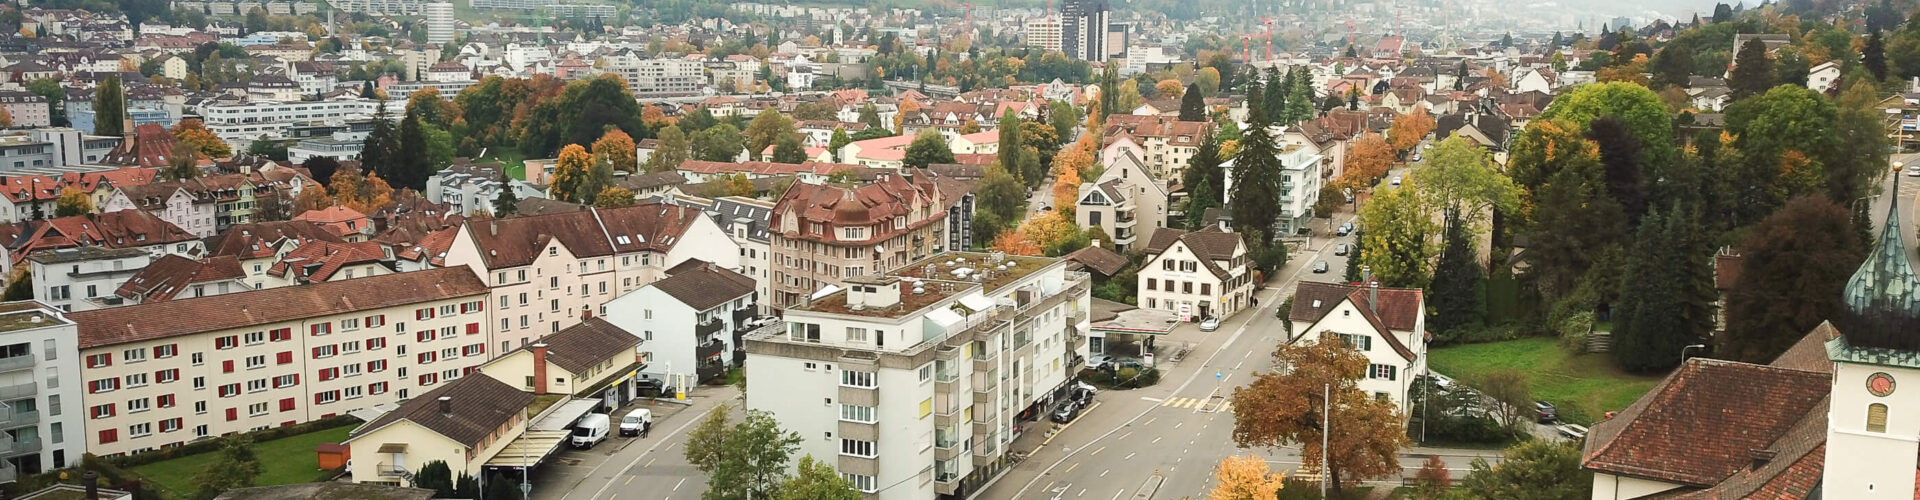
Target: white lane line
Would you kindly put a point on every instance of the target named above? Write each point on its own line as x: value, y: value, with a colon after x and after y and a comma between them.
x: 1130, y: 456
x: 676, y: 486
x: 1104, y: 472
x: 1117, y: 494
x: 1156, y: 400
x: 1156, y: 440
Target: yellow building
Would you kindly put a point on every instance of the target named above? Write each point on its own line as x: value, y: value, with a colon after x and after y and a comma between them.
x: 463, y: 423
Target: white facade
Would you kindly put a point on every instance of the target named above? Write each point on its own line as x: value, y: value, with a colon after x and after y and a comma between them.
x: 1390, y: 373
x: 41, y: 417
x: 679, y: 339
x: 1300, y: 182
x: 900, y: 375
x: 1872, y: 457
x: 67, y: 278
x: 439, y: 22
x: 240, y: 124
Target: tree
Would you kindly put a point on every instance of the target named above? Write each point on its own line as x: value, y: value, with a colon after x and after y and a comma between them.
x: 380, y: 151
x: 183, y: 164
x: 20, y: 287
x: 1409, y: 129
x: 766, y: 128
x: 928, y: 148
x: 834, y: 144
x: 1398, y: 244
x: 739, y: 185
x: 1856, y: 162
x: 613, y: 197
x: 1459, y: 182
x: 1457, y: 282
x: 1245, y: 478
x: 616, y: 149
x: 816, y: 480
x: 1672, y: 65
x: 1015, y: 243
x: 195, y: 134
x: 56, y: 98
x: 1285, y: 409
x: 871, y: 116
x: 1257, y: 175
x: 1513, y: 400
x: 741, y: 460
x: 466, y: 486
x: 1063, y: 116
x: 787, y: 149
x: 671, y: 151
x: 1666, y: 293
x: 1128, y: 98
x: 236, y: 467
x: 1873, y: 55
x: 1193, y: 107
x: 1794, y: 266
x: 72, y: 201
x: 1002, y: 195
x: 1533, y: 470
x: 506, y: 203
x: 1722, y: 13
x: 1649, y: 118
x: 1625, y: 172
x: 1753, y: 71
x: 1368, y: 159
x: 720, y: 143
x: 436, y: 476
x: 1109, y: 90
x: 362, y: 191
x: 110, y: 108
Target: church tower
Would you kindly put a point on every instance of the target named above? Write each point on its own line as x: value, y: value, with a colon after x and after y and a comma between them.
x: 1873, y: 421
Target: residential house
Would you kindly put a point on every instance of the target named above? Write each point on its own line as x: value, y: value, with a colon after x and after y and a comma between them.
x: 823, y: 234
x: 40, y: 422
x: 593, y: 360
x: 1126, y: 201
x: 463, y: 423
x: 70, y: 279
x: 1197, y: 274
x: 1300, y: 180
x: 692, y: 321
x: 1386, y: 324
x: 172, y: 276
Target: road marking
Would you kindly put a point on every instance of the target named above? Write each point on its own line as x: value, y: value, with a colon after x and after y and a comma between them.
x: 1104, y: 472
x: 1083, y: 491
x: 603, y: 488
x: 676, y: 486
x: 1117, y: 494
x: 1155, y: 440
x: 1069, y: 469
x: 629, y: 480
x: 1150, y: 421
x: 1124, y: 436
x: 615, y: 495
x: 1097, y: 452
x: 1156, y: 400
x: 1176, y: 425
x: 650, y: 462
x: 1236, y: 366
x: 1129, y: 456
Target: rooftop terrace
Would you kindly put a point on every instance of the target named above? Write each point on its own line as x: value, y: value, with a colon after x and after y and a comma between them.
x: 933, y: 279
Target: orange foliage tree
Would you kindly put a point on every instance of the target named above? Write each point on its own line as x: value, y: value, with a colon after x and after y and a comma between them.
x: 1407, y: 130
x: 1367, y: 159
x: 1245, y: 478
x: 616, y: 148
x: 363, y: 192
x: 1012, y: 242
x: 195, y: 133
x: 1066, y: 188
x: 1285, y: 409
x: 1169, y: 88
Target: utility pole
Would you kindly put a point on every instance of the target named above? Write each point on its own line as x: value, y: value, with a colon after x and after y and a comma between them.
x: 1326, y: 428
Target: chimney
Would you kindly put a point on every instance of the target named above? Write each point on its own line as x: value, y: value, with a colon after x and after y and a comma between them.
x: 493, y: 227
x: 1759, y: 458
x: 540, y: 368
x: 446, y: 406
x: 92, y: 482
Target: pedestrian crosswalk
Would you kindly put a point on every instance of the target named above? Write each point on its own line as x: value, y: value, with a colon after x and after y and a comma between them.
x: 1203, y: 404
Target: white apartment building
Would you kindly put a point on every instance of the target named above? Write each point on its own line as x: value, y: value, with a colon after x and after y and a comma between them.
x: 1044, y: 33
x: 240, y: 124
x: 1197, y: 274
x: 659, y: 77
x: 745, y: 220
x: 69, y: 278
x: 439, y: 22
x: 548, y: 272
x: 39, y: 384
x: 1126, y: 201
x: 910, y: 383
x: 689, y: 321
x: 1387, y: 324
x: 165, y: 373
x: 1300, y: 182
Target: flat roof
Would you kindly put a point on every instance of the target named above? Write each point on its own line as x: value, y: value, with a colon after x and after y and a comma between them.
x: 12, y: 320
x: 940, y: 277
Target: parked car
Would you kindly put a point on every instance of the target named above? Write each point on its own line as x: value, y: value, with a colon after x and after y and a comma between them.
x: 591, y: 430
x: 1442, y: 381
x: 1340, y: 249
x: 1083, y: 393
x: 636, y: 422
x: 1395, y: 181
x: 1913, y: 172
x: 1416, y: 157
x: 1066, y: 412
x: 1210, y: 324
x: 1345, y: 229
x: 1320, y: 267
x: 1571, y: 431
x: 1112, y: 364
x: 1545, y: 412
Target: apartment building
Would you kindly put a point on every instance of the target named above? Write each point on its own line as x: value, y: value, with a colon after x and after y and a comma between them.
x: 910, y: 383
x: 164, y: 373
x: 39, y: 380
x: 240, y: 123
x: 745, y: 220
x: 439, y: 22
x: 1126, y: 201
x: 1300, y: 181
x: 1197, y: 274
x: 659, y: 77
x: 27, y: 109
x: 69, y: 279
x: 690, y: 321
x: 548, y: 272
x: 822, y: 235
x: 1164, y: 143
x: 1044, y: 33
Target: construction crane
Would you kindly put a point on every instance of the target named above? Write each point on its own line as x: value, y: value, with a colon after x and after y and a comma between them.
x: 1246, y: 43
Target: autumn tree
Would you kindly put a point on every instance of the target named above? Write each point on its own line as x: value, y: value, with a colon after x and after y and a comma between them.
x: 1169, y: 88
x: 1066, y: 189
x: 617, y: 150
x: 195, y: 133
x: 1432, y: 480
x: 364, y: 192
x: 1793, y: 267
x: 738, y: 185
x: 1368, y: 159
x: 1014, y: 243
x: 1285, y: 408
x: 184, y: 163
x: 312, y: 197
x: 569, y: 173
x: 1052, y: 232
x: 1407, y: 130
x: 72, y: 201
x: 1398, y: 244
x: 764, y: 130
x: 928, y: 148
x: 1245, y: 478
x: 1538, y: 469
x: 672, y: 150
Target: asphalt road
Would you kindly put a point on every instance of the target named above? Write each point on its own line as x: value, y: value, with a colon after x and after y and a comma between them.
x: 636, y: 468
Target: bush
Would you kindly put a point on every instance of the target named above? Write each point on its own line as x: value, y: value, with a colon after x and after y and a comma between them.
x: 1573, y: 331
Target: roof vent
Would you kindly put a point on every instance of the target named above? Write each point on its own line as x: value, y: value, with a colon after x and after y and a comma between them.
x: 446, y: 406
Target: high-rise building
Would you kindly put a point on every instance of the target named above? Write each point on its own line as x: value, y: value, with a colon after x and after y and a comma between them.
x: 1044, y: 33
x: 439, y: 22
x: 1083, y: 29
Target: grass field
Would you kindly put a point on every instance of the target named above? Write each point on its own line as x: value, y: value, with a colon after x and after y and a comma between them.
x: 283, y: 461
x: 1583, y: 386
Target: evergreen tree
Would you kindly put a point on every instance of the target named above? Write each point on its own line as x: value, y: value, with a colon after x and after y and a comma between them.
x: 834, y: 144
x: 1672, y: 66
x: 507, y: 203
x: 1300, y: 98
x: 366, y: 90
x: 1460, y: 76
x: 787, y: 149
x: 1666, y: 293
x: 1009, y: 131
x: 110, y: 108
x: 381, y: 149
x: 1256, y: 173
x: 1193, y: 107
x: 412, y: 166
x: 1205, y: 167
x: 1456, y: 285
x: 1620, y: 155
x: 1753, y: 71
x: 1199, y: 199
x: 1275, y: 99
x: 1874, y: 56
x: 1722, y: 13
x: 1109, y: 90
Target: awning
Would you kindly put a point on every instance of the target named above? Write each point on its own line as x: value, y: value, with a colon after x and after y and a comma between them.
x: 562, y: 418
x: 529, y: 449
x: 393, y: 448
x: 978, y: 303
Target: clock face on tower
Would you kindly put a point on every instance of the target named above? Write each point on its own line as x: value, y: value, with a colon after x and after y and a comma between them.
x: 1880, y: 384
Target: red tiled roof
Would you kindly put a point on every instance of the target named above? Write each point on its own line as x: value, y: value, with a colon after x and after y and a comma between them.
x: 513, y: 242
x: 119, y: 325
x: 318, y: 261
x: 166, y: 277
x: 872, y: 204
x: 1701, y: 424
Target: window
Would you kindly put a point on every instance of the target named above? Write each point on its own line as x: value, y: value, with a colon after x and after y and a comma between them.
x: 102, y: 411
x: 1877, y: 417
x: 852, y: 378
x: 424, y: 313
x: 926, y: 407
x: 1206, y: 289
x: 377, y: 388
x: 446, y: 310
x: 227, y: 342
x: 350, y: 347
x: 255, y: 338
x: 1361, y: 342
x: 109, y: 436
x: 138, y: 405
x: 474, y: 350
x: 142, y: 429
x: 170, y: 425
x: 377, y: 366
x: 256, y: 361
x: 856, y: 335
x: 168, y: 375
x: 199, y: 383
x: 350, y: 370
x: 320, y: 328
x: 429, y: 379
x: 423, y: 336
x: 134, y: 355
x: 376, y: 343
x: 447, y: 332
x: 926, y: 372
x: 856, y: 413
x: 326, y: 397
x: 257, y: 409
x: 286, y: 380
x: 103, y: 385
x: 856, y: 448
x: 1381, y: 371
x: 256, y: 385
x: 166, y: 351
x: 329, y: 374
x: 863, y: 483
x: 426, y: 357
x: 1153, y: 284
x: 280, y: 334
x: 284, y: 357
x: 325, y: 351
x: 376, y: 321
x: 99, y: 360
x: 136, y: 380
x: 229, y: 390
x: 352, y: 392
x: 166, y: 400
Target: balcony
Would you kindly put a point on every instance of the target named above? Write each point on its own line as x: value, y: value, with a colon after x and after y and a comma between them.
x: 13, y: 419
x: 707, y: 329
x: 16, y: 363
x: 18, y: 391
x: 741, y: 315
x: 1124, y: 220
x: 12, y: 446
x: 8, y: 473
x: 392, y: 470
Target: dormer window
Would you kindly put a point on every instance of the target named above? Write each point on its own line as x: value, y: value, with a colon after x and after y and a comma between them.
x: 899, y: 222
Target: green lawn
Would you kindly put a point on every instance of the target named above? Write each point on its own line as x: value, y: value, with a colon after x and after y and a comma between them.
x: 1583, y: 386
x: 511, y: 159
x: 287, y: 460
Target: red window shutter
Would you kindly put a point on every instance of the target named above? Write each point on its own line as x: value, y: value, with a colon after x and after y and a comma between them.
x: 473, y: 328
x: 419, y: 314
x: 286, y: 404
x: 226, y: 366
x: 284, y: 357
x: 481, y: 348
x: 109, y: 435
x: 233, y: 414
x: 93, y: 387
x: 325, y: 375
x: 316, y: 353
x: 316, y: 398
x: 296, y: 379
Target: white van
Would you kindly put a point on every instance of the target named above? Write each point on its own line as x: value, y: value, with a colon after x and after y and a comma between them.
x: 636, y: 422
x: 591, y: 430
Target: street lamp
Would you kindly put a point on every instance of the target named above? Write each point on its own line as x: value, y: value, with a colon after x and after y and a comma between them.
x: 1683, y: 351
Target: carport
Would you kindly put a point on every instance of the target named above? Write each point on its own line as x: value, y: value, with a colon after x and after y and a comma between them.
x: 544, y: 436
